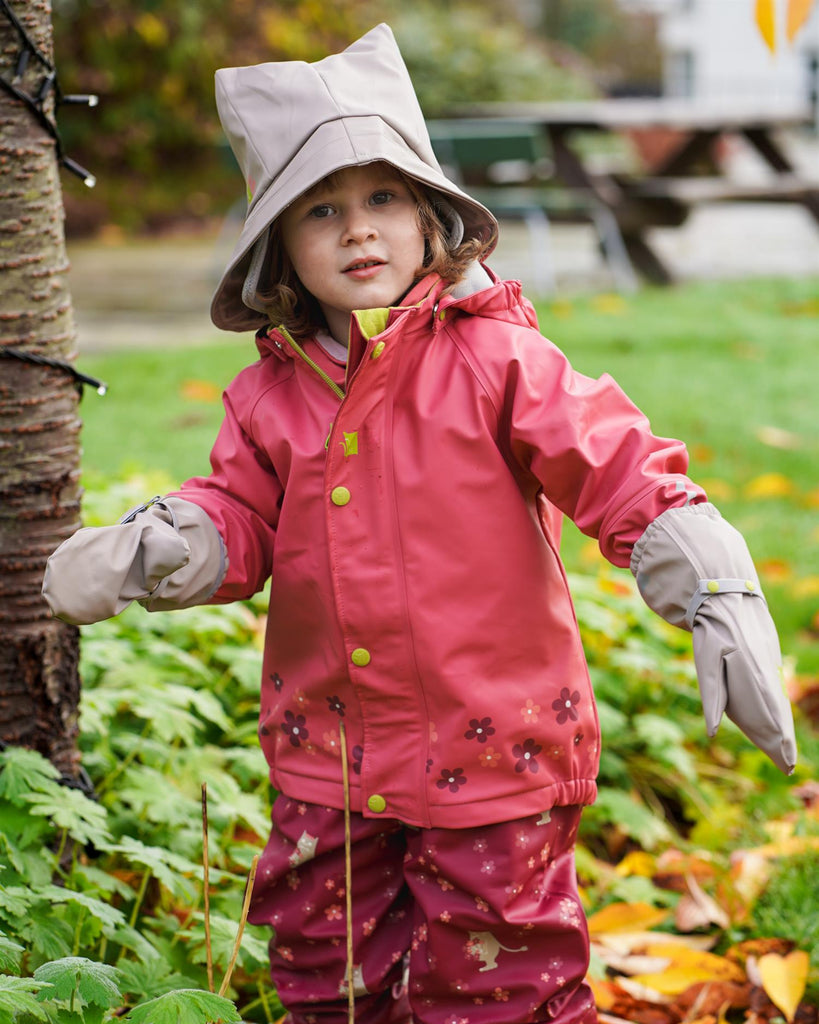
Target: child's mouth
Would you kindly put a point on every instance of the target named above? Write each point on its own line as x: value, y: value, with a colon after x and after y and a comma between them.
x: 363, y: 269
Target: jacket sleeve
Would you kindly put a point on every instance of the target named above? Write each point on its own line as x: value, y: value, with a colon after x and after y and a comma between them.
x: 590, y: 448
x: 242, y: 496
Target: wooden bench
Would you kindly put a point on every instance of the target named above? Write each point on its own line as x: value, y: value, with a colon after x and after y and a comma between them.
x: 508, y: 167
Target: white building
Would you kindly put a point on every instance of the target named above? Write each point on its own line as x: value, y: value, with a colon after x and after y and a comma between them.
x: 713, y: 51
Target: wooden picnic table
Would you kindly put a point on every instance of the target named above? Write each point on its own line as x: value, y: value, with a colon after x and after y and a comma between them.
x: 662, y: 195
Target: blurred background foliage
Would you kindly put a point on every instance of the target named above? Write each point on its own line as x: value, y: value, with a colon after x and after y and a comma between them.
x: 155, y: 143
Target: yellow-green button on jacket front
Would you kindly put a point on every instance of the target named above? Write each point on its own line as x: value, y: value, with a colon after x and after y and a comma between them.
x: 360, y: 657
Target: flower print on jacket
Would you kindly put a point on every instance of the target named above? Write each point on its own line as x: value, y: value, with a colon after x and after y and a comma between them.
x: 526, y: 754
x: 479, y: 729
x: 451, y: 779
x: 277, y: 681
x: 294, y: 726
x: 358, y: 757
x: 337, y: 705
x: 530, y: 711
x: 489, y: 758
x: 565, y: 705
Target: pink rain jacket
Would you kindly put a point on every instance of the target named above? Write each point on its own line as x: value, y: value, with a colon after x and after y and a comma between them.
x: 411, y: 529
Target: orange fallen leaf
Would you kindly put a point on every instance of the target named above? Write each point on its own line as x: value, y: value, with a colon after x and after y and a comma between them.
x: 200, y: 391
x: 626, y: 917
x: 784, y: 979
x: 798, y: 11
x: 770, y: 485
x: 605, y: 993
x: 775, y: 570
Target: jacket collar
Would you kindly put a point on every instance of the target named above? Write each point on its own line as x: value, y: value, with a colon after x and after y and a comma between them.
x: 480, y: 293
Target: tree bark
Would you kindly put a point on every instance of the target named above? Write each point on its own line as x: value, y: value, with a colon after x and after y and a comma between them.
x: 39, y: 422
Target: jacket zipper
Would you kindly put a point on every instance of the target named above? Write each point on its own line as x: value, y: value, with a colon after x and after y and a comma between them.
x: 337, y: 391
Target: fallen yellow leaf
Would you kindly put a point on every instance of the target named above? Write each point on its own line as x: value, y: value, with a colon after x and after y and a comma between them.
x: 710, y: 965
x: 784, y: 979
x: 770, y: 485
x: 610, y: 303
x: 806, y: 587
x: 790, y: 847
x: 719, y: 490
x: 776, y: 437
x: 627, y: 943
x: 766, y: 20
x: 626, y: 917
x: 561, y: 308
x: 638, y: 862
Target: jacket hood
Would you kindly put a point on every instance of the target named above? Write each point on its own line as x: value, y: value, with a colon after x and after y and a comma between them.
x: 291, y: 123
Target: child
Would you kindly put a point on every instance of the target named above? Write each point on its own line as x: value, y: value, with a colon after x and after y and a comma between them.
x: 398, y: 460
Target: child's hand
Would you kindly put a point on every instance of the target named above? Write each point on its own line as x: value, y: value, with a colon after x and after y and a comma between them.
x: 739, y: 668
x: 694, y: 570
x: 165, y: 555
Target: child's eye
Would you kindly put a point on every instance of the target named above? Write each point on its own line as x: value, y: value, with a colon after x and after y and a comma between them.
x: 321, y: 211
x: 381, y: 197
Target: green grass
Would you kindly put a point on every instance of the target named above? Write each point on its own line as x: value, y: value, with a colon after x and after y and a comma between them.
x: 716, y: 364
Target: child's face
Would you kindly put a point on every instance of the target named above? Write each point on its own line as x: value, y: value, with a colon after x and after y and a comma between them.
x: 354, y: 241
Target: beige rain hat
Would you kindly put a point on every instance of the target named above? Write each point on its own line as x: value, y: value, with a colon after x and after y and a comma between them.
x: 290, y: 124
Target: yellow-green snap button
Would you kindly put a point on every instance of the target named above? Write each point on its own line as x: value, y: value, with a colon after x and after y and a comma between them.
x: 750, y: 585
x: 377, y: 803
x: 713, y: 586
x: 339, y: 495
x: 379, y: 348
x: 360, y: 657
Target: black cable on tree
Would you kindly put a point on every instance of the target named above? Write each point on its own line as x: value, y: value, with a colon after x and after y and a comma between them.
x: 36, y: 105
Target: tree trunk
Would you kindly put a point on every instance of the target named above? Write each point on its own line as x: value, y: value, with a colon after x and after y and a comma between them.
x: 39, y: 423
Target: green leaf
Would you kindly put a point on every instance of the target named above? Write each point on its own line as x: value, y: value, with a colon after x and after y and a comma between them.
x: 17, y: 996
x: 23, y: 771
x: 86, y: 821
x: 26, y: 829
x: 110, y: 917
x: 47, y: 934
x: 151, y: 976
x: 103, y: 882
x: 223, y: 938
x: 169, y: 868
x: 631, y: 816
x: 186, y: 1006
x: 96, y: 983
x: 10, y: 954
x: 15, y: 901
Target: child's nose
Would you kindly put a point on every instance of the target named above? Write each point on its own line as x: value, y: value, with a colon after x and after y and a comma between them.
x: 358, y: 226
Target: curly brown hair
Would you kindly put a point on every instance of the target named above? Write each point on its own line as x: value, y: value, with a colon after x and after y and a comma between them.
x: 287, y: 302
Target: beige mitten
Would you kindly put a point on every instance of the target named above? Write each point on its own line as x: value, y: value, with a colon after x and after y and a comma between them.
x: 165, y: 554
x: 694, y: 569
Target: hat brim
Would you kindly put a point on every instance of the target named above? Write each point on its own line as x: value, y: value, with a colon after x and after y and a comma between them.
x: 334, y: 145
